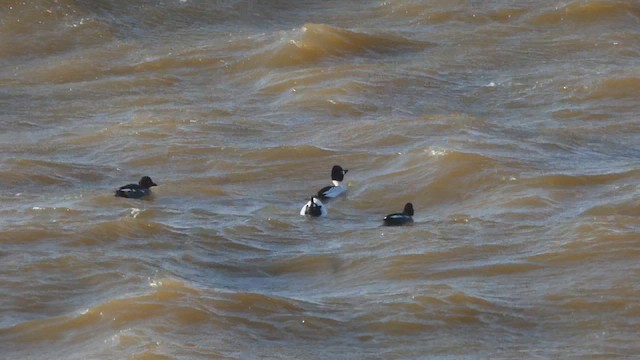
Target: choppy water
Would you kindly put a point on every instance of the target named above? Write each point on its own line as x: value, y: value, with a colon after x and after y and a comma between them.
x: 513, y: 127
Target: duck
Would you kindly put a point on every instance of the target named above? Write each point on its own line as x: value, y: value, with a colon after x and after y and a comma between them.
x: 338, y: 188
x: 136, y: 191
x: 314, y: 207
x: 403, y: 218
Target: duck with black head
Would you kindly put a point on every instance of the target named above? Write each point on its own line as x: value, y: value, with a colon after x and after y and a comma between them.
x: 314, y: 207
x: 338, y: 188
x: 398, y: 219
x: 136, y: 191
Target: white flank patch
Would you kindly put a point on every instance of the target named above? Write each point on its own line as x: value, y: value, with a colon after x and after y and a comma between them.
x: 335, y: 191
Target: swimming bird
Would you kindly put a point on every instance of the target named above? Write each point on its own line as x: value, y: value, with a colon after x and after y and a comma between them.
x: 136, y: 191
x: 403, y: 218
x: 314, y: 207
x: 338, y: 188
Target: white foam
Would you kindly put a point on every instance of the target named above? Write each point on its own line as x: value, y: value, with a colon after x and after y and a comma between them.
x: 437, y: 152
x: 135, y: 212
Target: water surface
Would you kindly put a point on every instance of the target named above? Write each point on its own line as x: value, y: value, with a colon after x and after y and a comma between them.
x: 512, y: 126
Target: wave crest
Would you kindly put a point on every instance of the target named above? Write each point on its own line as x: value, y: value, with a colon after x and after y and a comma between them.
x: 315, y: 42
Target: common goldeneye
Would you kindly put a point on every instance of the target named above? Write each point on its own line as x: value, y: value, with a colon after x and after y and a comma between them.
x: 403, y: 218
x: 136, y: 191
x: 314, y: 207
x: 338, y: 188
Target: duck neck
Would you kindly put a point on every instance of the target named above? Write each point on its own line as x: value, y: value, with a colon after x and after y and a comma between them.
x: 337, y: 183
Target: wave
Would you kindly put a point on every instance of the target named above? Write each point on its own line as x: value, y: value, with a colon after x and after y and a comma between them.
x: 44, y: 28
x: 622, y: 88
x: 346, y: 89
x: 110, y: 67
x: 427, y: 13
x: 278, y: 83
x: 410, y: 267
x: 316, y: 42
x: 174, y: 302
x: 600, y: 234
x: 32, y: 234
x: 423, y: 314
x: 125, y: 228
x: 462, y: 175
x: 41, y: 172
x: 569, y: 181
x: 117, y: 313
x: 595, y: 245
x: 287, y: 153
x: 607, y: 302
x: 590, y: 12
x: 307, y: 264
x: 616, y: 88
x: 624, y: 208
x: 71, y: 229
